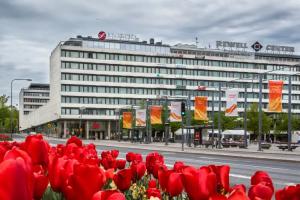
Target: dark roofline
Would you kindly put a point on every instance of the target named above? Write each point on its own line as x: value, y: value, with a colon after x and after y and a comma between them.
x: 40, y: 85
x: 89, y: 38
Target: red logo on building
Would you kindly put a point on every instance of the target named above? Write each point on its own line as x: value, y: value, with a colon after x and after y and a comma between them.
x: 96, y: 125
x: 101, y: 35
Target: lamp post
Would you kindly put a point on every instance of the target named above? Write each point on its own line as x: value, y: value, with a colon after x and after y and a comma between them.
x: 11, y: 101
x: 219, y: 116
x: 81, y: 109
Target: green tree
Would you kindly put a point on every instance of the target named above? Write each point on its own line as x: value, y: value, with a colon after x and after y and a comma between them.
x: 227, y: 123
x: 252, y: 117
x: 5, y: 116
x: 281, y: 123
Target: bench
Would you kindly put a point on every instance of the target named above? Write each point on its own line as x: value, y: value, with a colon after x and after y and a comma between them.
x: 207, y: 143
x: 284, y: 147
x: 265, y: 146
x: 226, y: 145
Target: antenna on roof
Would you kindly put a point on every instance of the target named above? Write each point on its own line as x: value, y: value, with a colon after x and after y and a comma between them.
x: 197, y: 42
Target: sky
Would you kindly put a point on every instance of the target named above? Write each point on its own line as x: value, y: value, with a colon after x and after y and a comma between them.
x: 30, y: 29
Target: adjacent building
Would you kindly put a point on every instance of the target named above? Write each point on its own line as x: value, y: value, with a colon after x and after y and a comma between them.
x: 31, y: 98
x: 91, y: 79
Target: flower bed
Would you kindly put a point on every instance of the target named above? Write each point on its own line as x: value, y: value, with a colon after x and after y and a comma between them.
x: 74, y: 171
x: 4, y: 137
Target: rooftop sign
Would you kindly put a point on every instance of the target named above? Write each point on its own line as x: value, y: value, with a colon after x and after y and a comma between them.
x: 236, y: 46
x: 117, y: 36
x: 227, y: 44
x: 275, y: 48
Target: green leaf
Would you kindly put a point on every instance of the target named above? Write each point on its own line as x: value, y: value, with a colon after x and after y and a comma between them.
x: 51, y: 195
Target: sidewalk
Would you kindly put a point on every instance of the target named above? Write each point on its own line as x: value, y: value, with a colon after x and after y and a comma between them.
x: 251, y: 152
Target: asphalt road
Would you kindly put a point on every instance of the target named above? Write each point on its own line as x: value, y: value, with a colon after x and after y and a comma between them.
x: 283, y: 173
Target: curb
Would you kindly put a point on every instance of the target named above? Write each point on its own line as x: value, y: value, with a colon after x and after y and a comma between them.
x: 202, y: 153
x: 233, y: 154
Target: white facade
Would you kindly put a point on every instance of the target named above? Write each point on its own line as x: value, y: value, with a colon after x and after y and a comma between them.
x: 30, y: 99
x: 90, y: 79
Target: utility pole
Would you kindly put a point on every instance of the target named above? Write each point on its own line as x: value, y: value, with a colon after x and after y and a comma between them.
x: 219, y: 116
x: 260, y: 113
x: 245, y: 116
x: 290, y: 113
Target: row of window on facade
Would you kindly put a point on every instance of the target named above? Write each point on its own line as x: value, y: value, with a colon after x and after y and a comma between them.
x: 31, y: 106
x: 127, y: 47
x: 147, y: 91
x: 112, y: 112
x: 163, y: 70
x: 172, y: 60
x: 36, y: 100
x: 137, y: 102
x: 163, y: 81
x: 36, y: 94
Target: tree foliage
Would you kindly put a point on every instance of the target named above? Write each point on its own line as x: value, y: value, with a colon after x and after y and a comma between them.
x: 252, y: 123
x: 5, y: 115
x: 227, y: 123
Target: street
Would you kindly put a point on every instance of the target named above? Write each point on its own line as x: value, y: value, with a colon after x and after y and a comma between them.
x: 282, y: 172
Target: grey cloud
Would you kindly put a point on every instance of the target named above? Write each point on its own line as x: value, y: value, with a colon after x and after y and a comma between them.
x: 32, y: 28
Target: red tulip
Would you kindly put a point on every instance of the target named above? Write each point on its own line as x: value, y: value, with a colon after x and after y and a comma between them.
x: 38, y: 149
x: 152, y: 183
x: 109, y: 174
x: 109, y: 162
x: 137, y: 158
x: 18, y: 153
x: 178, y: 166
x: 163, y: 177
x: 261, y: 176
x: 55, y: 171
x: 199, y: 184
x: 40, y: 182
x: 130, y: 156
x: 114, y: 153
x: 153, y: 162
x: 260, y: 191
x: 16, y: 180
x: 123, y: 179
x: 138, y: 170
x: 85, y: 181
x: 289, y: 192
x: 74, y: 140
x: 222, y: 173
x: 108, y: 195
x: 175, y: 185
x: 121, y: 164
x: 234, y: 195
x: 153, y: 192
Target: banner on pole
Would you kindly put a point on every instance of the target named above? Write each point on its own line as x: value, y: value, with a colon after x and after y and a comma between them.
x: 140, y: 117
x: 155, y: 114
x: 175, y: 113
x: 275, y: 95
x: 200, y: 108
x: 231, y: 103
x: 127, y: 120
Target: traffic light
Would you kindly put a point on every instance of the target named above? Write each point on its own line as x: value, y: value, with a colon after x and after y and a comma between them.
x: 182, y: 109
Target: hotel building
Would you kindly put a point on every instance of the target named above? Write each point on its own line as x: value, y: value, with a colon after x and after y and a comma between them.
x: 90, y: 79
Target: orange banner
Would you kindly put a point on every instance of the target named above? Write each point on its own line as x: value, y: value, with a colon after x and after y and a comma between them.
x: 200, y: 108
x: 127, y: 120
x: 155, y: 114
x: 275, y: 96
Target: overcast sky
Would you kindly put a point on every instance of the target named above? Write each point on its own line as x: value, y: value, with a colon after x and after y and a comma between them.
x: 30, y: 29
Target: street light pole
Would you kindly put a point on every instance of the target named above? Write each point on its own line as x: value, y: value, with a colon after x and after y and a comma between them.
x: 245, y: 116
x: 290, y: 113
x: 11, y: 101
x: 213, y: 118
x: 260, y: 113
x: 219, y: 116
x: 189, y: 118
x: 80, y: 121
